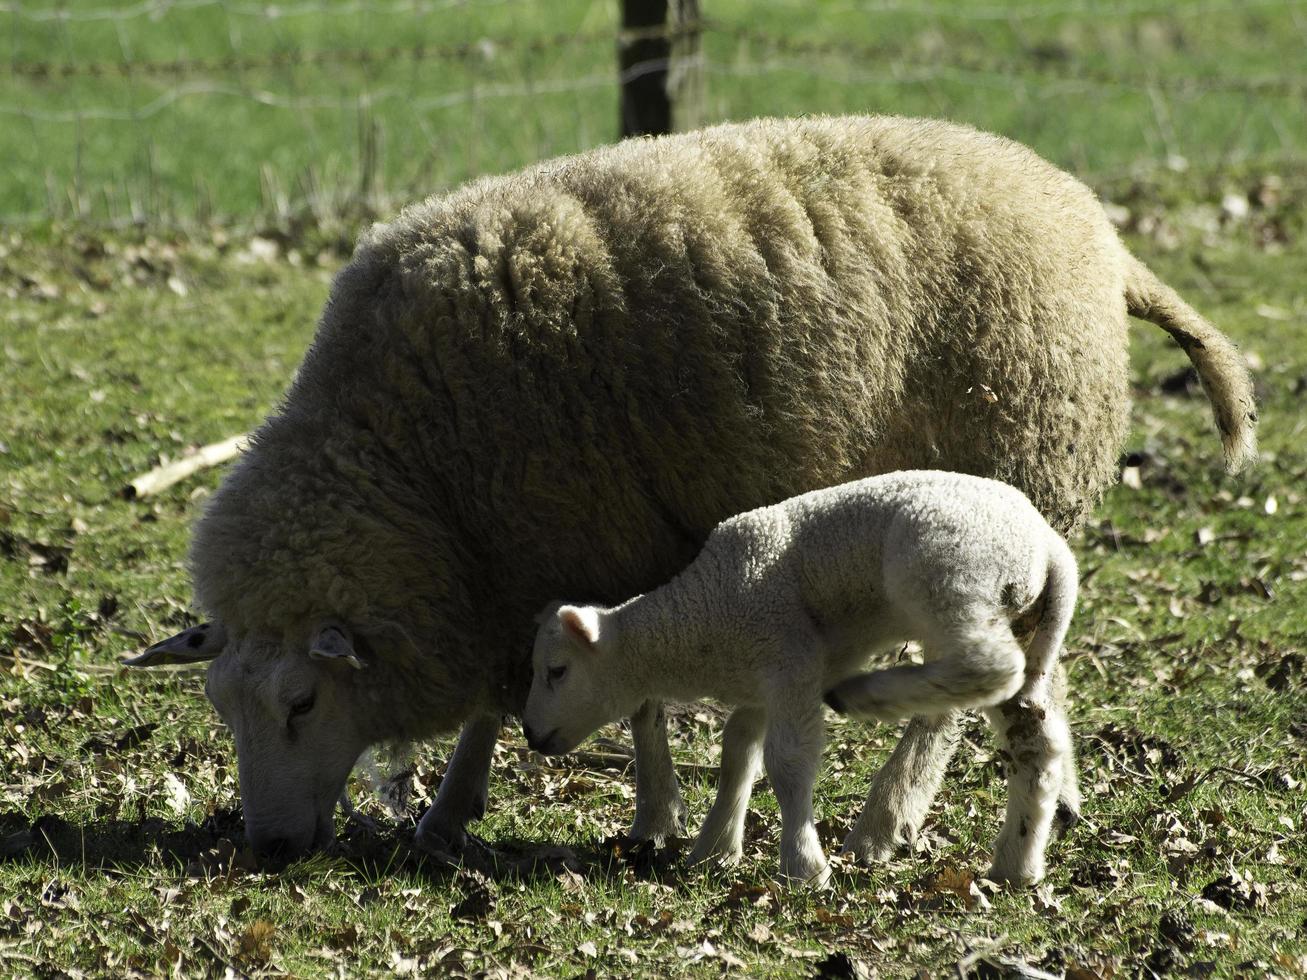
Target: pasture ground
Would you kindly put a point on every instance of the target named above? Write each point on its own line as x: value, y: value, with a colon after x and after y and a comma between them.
x: 120, y: 836
x: 120, y: 832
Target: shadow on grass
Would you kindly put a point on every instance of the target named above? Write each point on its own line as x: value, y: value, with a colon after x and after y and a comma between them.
x: 216, y: 848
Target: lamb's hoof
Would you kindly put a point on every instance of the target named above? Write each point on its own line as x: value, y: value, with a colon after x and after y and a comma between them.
x: 725, y: 857
x: 869, y: 850
x: 815, y: 879
x: 1065, y: 817
x: 1015, y: 877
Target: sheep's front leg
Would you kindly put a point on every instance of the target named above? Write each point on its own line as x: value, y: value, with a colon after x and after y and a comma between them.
x: 464, y: 790
x: 1036, y: 743
x: 792, y: 755
x: 659, y: 811
x: 722, y: 834
x: 904, y: 788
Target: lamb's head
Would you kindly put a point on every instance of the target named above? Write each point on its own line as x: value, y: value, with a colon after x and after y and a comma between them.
x: 572, y: 684
x: 291, y: 705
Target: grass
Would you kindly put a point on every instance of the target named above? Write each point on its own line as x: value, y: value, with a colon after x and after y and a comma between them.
x: 287, y: 122
x: 120, y: 833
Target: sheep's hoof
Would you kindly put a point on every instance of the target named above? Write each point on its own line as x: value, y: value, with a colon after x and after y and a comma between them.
x: 444, y: 838
x: 661, y: 828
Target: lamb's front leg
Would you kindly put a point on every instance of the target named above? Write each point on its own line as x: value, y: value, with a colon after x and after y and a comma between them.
x: 795, y: 736
x: 904, y: 788
x: 722, y: 834
x: 659, y: 811
x: 464, y: 790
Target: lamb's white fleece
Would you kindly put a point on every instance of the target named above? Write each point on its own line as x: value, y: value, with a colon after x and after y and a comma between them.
x: 786, y: 602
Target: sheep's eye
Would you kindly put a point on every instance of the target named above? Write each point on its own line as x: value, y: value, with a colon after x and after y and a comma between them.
x: 303, y: 706
x: 555, y: 673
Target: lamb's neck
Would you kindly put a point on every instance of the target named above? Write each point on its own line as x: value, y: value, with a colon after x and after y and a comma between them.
x: 663, y: 637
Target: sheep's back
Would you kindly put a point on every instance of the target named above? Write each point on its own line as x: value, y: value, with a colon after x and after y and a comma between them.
x: 587, y: 365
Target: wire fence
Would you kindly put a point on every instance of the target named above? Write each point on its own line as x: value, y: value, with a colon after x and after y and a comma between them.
x: 195, y: 111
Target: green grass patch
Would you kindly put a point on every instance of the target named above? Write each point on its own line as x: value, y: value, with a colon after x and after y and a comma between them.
x: 120, y: 835
x: 268, y: 113
x: 120, y: 832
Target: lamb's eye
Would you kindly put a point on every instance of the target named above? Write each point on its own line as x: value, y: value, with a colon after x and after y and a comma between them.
x: 555, y: 673
x: 303, y: 705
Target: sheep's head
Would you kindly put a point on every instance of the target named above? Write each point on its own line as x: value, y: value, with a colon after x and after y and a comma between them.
x: 572, y: 692
x: 291, y: 708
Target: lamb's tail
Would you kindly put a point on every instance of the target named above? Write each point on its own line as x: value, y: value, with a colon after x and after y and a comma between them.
x: 1220, y: 368
x: 1061, y: 583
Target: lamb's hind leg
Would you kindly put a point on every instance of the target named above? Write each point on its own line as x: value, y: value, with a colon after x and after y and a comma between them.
x: 1068, y: 798
x: 659, y: 811
x: 722, y: 834
x: 1036, y: 744
x: 904, y: 788
x: 973, y: 666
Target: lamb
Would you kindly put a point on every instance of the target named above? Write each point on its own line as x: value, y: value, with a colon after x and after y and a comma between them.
x: 655, y: 335
x: 786, y: 601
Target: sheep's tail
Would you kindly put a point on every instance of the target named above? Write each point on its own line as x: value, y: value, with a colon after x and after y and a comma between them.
x: 1061, y: 583
x: 1220, y: 368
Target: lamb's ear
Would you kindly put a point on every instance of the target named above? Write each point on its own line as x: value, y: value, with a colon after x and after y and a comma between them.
x: 581, y: 623
x: 199, y: 643
x: 334, y: 643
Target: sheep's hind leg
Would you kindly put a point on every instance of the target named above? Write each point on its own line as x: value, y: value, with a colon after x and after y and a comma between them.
x: 904, y: 788
x: 659, y: 810
x: 1036, y: 744
x: 722, y: 834
x: 792, y: 753
x: 464, y: 790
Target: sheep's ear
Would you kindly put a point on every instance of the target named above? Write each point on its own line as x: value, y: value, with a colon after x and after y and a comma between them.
x: 581, y: 623
x: 548, y: 613
x: 334, y: 643
x: 197, y: 644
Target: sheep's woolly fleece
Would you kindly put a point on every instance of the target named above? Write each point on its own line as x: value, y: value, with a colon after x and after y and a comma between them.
x: 558, y: 381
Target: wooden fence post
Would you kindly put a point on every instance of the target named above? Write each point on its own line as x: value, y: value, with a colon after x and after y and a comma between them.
x: 661, y: 70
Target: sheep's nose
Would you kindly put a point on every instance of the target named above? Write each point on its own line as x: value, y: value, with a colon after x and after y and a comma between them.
x: 541, y: 743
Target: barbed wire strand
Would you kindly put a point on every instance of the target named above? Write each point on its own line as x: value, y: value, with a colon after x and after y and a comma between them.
x: 1027, y: 80
x: 484, y: 48
x: 158, y: 9
x: 1048, y: 11
x: 1044, y: 72
x: 488, y: 49
x: 296, y: 8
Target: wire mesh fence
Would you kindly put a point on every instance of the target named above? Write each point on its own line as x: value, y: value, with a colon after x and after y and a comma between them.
x: 190, y: 111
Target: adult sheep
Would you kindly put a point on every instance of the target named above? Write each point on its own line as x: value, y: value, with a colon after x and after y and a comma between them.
x: 557, y: 382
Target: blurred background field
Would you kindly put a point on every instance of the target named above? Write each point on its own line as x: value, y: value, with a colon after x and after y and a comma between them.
x: 187, y: 111
x: 179, y: 182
